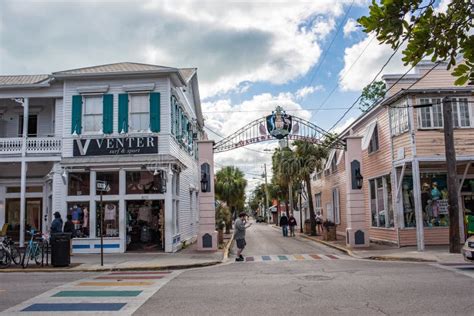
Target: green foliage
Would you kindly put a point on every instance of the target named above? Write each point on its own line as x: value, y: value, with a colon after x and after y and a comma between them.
x: 372, y: 94
x: 223, y: 216
x: 230, y: 187
x: 437, y: 35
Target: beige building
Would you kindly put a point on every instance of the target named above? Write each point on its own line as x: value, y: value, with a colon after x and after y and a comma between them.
x: 400, y: 149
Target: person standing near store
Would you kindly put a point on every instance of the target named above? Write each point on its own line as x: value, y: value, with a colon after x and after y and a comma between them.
x: 57, y: 224
x: 292, y: 223
x: 284, y: 224
x: 239, y: 234
x: 319, y: 223
x: 69, y: 228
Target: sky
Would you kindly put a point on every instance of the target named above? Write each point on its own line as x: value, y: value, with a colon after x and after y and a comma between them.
x: 310, y: 57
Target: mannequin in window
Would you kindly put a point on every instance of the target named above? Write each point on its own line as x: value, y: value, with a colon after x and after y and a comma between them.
x: 435, y: 196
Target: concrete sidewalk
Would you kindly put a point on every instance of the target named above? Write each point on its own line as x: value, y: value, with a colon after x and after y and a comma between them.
x: 184, y: 259
x: 439, y: 254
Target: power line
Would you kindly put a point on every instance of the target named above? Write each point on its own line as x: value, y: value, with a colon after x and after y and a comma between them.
x: 330, y: 44
x: 373, y: 80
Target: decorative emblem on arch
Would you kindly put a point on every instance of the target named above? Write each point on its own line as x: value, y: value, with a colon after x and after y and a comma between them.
x: 276, y: 126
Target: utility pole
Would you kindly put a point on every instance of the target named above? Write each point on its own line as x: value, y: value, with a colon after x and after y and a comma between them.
x: 266, y: 193
x: 453, y: 205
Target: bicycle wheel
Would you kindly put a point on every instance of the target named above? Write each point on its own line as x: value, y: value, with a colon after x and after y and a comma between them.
x: 26, y: 257
x: 38, y: 253
x: 15, y: 254
x: 5, y: 259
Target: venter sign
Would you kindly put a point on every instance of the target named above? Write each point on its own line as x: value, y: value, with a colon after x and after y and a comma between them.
x: 115, y: 146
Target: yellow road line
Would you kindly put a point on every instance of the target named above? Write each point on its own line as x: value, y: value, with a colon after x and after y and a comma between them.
x: 114, y: 283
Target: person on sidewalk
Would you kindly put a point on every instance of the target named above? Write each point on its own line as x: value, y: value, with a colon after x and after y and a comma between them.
x: 57, y: 224
x: 69, y: 228
x: 239, y: 234
x: 284, y: 224
x: 292, y: 222
x: 319, y: 223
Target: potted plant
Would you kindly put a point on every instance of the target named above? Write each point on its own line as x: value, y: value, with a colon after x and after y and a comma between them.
x: 329, y: 231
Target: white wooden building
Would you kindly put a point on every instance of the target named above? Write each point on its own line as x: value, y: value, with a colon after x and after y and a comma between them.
x: 135, y: 126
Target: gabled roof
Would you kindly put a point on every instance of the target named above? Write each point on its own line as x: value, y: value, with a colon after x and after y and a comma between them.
x: 114, y: 68
x: 187, y: 73
x: 22, y: 80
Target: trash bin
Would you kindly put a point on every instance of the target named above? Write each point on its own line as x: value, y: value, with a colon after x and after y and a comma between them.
x: 60, y: 249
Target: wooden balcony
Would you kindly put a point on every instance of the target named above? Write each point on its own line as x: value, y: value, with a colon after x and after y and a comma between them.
x: 34, y: 145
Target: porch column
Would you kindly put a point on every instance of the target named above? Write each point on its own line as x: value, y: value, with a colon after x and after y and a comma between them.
x: 357, y: 233
x: 25, y: 104
x: 207, y: 236
x: 170, y: 206
x: 420, y: 239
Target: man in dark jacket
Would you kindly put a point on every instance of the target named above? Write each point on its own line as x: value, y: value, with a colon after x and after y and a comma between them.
x: 292, y: 223
x: 284, y: 224
x: 57, y: 224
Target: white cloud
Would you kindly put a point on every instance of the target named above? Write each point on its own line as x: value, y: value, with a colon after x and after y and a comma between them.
x: 359, y: 71
x: 303, y: 92
x: 229, y: 42
x: 442, y: 6
x: 349, y: 27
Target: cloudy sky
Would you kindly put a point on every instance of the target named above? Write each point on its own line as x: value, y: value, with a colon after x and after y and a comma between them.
x: 308, y: 56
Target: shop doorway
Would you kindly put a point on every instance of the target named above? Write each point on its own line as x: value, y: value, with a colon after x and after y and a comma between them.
x: 145, y: 225
x: 32, y: 218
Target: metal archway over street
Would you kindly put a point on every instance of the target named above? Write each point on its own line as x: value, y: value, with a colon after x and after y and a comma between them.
x: 276, y: 126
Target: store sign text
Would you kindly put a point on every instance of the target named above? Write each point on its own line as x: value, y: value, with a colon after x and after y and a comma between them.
x: 115, y: 146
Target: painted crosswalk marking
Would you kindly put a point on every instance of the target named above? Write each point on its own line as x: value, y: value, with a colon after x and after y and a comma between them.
x: 111, y: 293
x: 297, y: 257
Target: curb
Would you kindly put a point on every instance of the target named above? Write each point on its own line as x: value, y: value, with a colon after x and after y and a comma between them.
x: 342, y: 249
x: 227, y: 248
x: 146, y: 268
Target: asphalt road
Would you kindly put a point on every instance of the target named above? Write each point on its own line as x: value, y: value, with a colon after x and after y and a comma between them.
x: 300, y: 278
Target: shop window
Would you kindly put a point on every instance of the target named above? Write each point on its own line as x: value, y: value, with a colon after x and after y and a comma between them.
x: 145, y: 182
x: 468, y: 186
x: 32, y: 125
x: 381, y: 202
x: 32, y: 219
x: 92, y: 115
x: 79, y: 183
x: 408, y: 201
x: 111, y: 219
x: 112, y: 179
x: 79, y: 212
x: 145, y: 225
x: 35, y: 189
x: 139, y: 112
x: 434, y: 199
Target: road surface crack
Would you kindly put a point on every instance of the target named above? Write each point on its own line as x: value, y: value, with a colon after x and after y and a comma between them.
x: 376, y: 308
x: 300, y: 291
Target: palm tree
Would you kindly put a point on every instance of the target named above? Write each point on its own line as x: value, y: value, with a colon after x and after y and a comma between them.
x: 230, y: 187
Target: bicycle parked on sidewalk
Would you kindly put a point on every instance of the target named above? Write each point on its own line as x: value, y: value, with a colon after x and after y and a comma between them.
x: 8, y: 252
x: 34, y: 249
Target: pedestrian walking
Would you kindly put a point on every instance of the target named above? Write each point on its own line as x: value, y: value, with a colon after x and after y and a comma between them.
x: 57, y: 224
x: 292, y: 222
x: 284, y: 224
x: 239, y: 234
x: 69, y: 228
x: 319, y: 223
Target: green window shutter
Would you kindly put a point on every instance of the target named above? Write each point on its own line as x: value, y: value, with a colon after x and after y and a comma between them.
x: 172, y: 115
x: 155, y: 112
x: 108, y: 113
x: 123, y: 113
x: 76, y: 122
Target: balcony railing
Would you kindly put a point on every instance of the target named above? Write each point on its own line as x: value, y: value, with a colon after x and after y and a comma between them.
x: 34, y: 145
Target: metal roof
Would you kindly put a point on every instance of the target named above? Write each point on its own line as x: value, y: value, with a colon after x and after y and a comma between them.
x: 114, y: 68
x: 22, y: 80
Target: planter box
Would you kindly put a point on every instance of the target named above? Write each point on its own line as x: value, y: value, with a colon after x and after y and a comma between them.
x: 329, y: 233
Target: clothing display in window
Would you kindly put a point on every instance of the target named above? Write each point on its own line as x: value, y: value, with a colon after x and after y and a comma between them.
x: 145, y: 227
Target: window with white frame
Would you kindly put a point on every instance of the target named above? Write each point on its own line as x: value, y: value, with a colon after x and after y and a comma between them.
x: 317, y: 202
x: 381, y: 202
x: 374, y: 140
x: 461, y: 112
x: 335, y: 205
x: 139, y: 109
x: 398, y: 119
x: 92, y: 113
x: 430, y: 116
